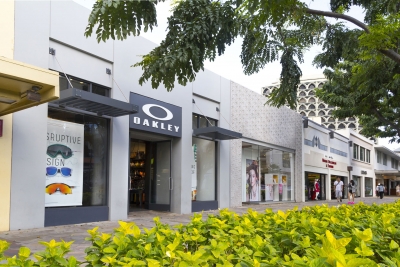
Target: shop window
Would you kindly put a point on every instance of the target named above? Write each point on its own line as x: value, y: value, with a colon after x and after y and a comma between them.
x: 95, y: 155
x: 368, y: 156
x: 203, y: 170
x: 395, y: 164
x: 384, y: 161
x: 362, y: 154
x: 83, y: 85
x: 266, y: 174
x: 379, y: 156
x: 355, y: 151
x: 199, y: 121
x: 369, y: 189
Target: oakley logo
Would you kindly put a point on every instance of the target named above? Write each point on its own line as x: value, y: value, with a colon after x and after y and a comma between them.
x: 146, y: 109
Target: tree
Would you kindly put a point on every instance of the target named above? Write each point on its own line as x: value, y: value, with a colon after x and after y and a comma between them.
x: 362, y: 65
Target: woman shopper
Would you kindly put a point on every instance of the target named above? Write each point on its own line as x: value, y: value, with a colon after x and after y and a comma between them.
x: 398, y: 190
x: 352, y: 192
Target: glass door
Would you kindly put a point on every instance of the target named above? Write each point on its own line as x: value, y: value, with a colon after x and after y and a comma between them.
x: 160, y: 183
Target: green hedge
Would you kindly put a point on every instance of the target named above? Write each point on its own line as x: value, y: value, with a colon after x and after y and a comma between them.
x: 357, y: 235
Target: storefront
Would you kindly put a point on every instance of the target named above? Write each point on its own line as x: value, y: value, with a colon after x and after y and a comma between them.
x: 111, y: 147
x: 267, y: 174
x: 325, y: 160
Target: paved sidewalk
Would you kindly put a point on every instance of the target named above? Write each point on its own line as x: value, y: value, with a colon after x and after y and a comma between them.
x: 77, y: 232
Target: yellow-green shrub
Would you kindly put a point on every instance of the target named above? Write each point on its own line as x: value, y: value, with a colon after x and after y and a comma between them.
x: 359, y: 235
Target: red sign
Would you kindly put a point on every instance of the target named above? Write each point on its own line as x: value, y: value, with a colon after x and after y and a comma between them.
x: 329, y: 163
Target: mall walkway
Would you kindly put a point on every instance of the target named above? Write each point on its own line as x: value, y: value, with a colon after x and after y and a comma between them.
x: 77, y: 232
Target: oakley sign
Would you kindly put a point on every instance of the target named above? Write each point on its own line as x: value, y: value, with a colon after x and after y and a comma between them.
x: 156, y: 116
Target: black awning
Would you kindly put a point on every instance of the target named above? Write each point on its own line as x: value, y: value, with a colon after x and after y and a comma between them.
x: 217, y: 133
x: 101, y: 105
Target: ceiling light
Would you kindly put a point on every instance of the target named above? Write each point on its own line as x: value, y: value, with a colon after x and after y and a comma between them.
x: 6, y: 100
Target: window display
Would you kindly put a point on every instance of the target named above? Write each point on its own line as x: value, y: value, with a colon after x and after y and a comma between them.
x: 203, y: 170
x: 368, y: 187
x: 267, y: 174
x: 76, y: 162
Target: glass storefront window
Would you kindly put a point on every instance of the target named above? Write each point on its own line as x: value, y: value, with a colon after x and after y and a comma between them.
x: 368, y: 187
x: 267, y: 174
x: 96, y: 139
x: 357, y: 181
x: 203, y: 170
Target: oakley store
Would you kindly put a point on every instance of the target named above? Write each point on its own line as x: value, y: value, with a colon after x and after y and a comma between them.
x: 108, y: 146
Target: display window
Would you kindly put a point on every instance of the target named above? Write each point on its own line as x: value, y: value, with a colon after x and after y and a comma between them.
x: 267, y: 174
x: 369, y: 187
x: 203, y: 170
x: 357, y: 182
x: 77, y: 159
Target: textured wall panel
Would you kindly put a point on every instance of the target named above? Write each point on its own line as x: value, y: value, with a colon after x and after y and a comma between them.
x: 281, y: 127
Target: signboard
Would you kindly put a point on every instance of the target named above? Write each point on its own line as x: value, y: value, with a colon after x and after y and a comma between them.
x: 64, y: 164
x: 252, y: 181
x: 156, y: 116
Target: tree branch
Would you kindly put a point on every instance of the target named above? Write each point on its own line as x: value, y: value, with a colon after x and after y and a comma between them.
x: 338, y: 16
x: 383, y: 119
x: 388, y: 53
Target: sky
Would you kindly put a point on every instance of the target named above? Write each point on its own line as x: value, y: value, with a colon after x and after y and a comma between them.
x: 229, y: 66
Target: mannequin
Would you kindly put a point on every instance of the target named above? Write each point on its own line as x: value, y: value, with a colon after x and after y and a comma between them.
x: 316, y: 189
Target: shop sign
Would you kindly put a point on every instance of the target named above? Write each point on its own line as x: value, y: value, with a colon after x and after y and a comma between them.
x: 329, y: 163
x: 64, y: 164
x: 363, y: 172
x: 156, y: 116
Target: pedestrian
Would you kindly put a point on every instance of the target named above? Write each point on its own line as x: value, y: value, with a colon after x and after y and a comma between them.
x: 352, y: 192
x: 381, y: 190
x: 398, y: 190
x: 338, y: 189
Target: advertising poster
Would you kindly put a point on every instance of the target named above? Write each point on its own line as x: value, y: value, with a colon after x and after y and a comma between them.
x: 252, y: 181
x: 269, y: 187
x: 64, y: 164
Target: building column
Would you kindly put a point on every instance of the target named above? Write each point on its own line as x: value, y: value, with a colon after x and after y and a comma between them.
x: 5, y: 172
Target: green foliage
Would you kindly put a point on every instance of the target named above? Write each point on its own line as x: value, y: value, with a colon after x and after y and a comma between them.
x: 275, y: 30
x: 54, y: 255
x: 351, y: 236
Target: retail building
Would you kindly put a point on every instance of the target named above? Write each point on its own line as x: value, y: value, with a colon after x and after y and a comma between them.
x: 107, y: 146
x: 326, y: 158
x: 361, y: 159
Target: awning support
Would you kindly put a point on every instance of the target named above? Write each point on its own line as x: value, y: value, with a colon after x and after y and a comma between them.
x: 216, y: 133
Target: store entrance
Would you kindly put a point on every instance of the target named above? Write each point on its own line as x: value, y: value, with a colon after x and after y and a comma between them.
x: 345, y: 181
x: 150, y: 182
x: 311, y: 187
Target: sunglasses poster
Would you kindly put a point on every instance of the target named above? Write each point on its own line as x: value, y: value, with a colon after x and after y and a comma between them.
x: 64, y: 164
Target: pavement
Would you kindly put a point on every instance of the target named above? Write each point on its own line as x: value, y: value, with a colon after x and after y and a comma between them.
x: 144, y: 219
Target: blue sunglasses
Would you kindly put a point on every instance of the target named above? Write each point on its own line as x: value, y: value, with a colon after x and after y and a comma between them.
x: 52, y: 171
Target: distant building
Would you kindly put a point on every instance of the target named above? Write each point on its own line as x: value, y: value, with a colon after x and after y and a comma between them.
x: 310, y: 106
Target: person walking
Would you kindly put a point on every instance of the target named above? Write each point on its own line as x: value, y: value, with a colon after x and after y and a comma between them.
x: 338, y: 189
x: 398, y: 190
x: 381, y: 190
x: 352, y: 192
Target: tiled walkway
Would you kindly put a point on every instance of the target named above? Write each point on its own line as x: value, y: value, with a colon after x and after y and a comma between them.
x: 77, y: 232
